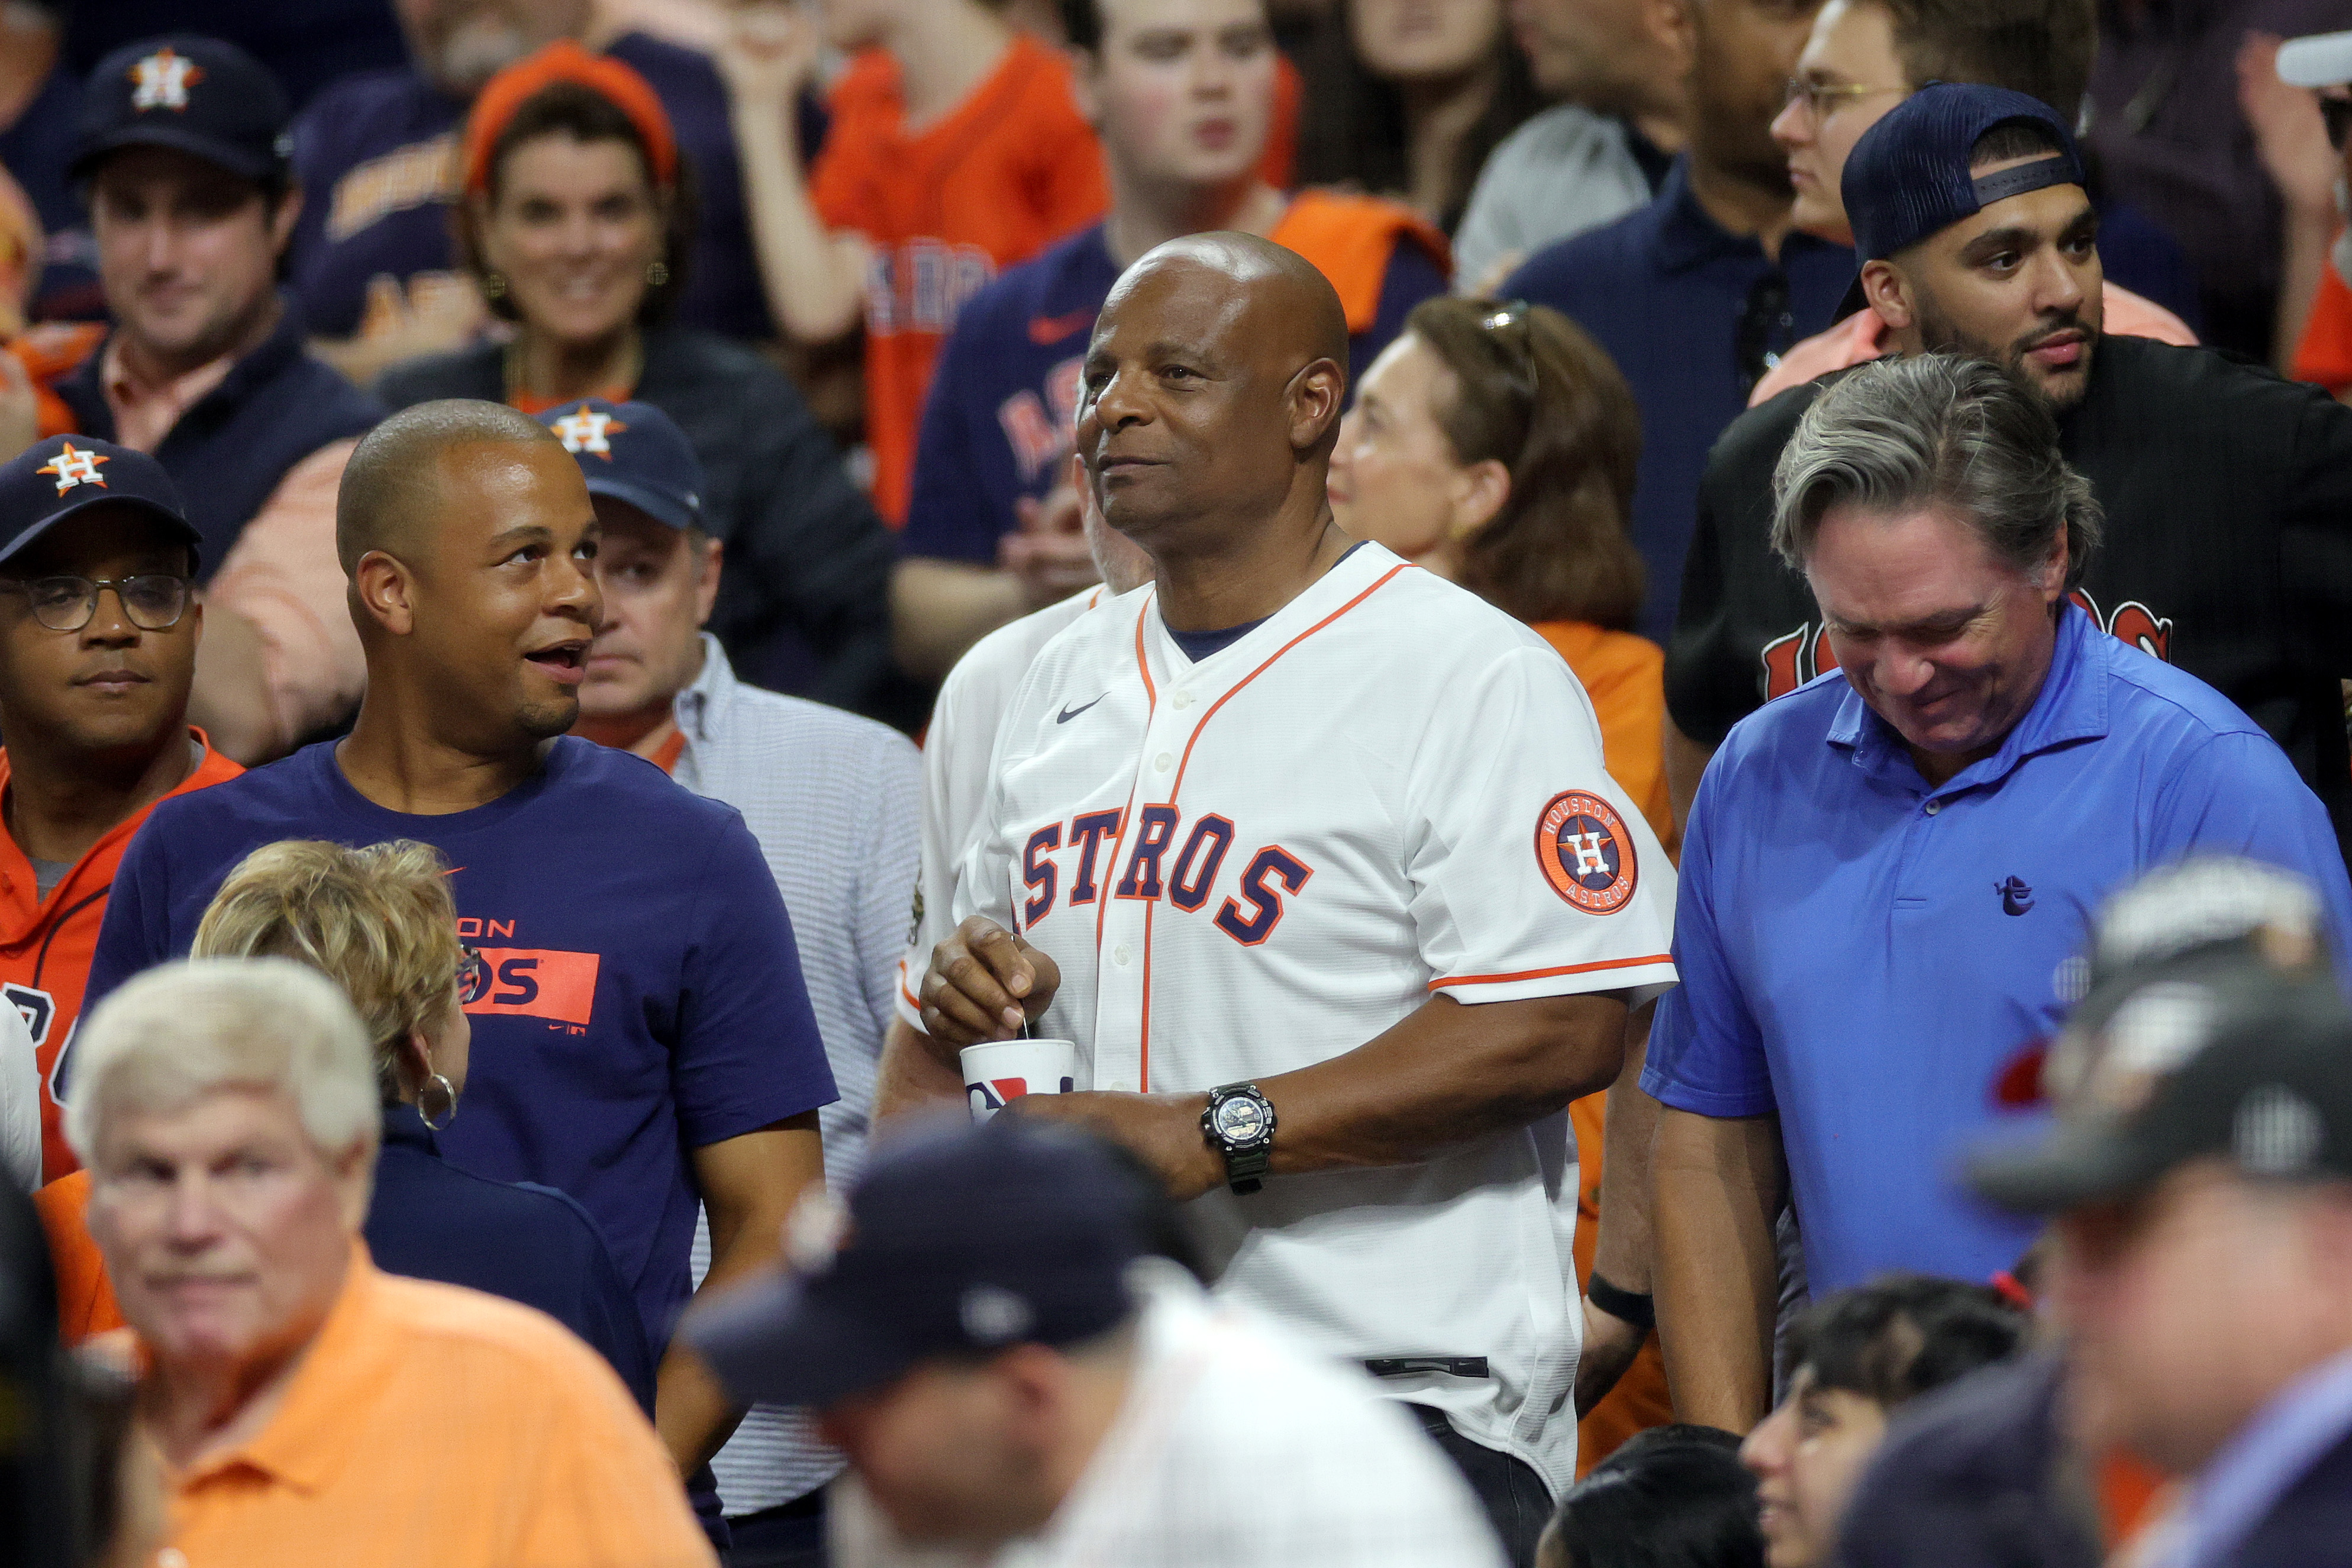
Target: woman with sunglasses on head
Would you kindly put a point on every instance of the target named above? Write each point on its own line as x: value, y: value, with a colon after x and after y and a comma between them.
x: 379, y: 921
x: 1494, y: 445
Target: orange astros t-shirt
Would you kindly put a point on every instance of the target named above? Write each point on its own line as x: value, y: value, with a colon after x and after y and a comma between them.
x: 46, y: 943
x: 1010, y: 170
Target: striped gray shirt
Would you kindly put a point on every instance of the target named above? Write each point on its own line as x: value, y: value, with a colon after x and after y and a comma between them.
x: 836, y: 801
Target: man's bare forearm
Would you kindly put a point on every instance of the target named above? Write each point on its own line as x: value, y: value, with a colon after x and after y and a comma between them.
x: 1620, y: 1250
x: 939, y: 608
x: 1446, y: 1074
x: 916, y: 1075
x: 1715, y: 1186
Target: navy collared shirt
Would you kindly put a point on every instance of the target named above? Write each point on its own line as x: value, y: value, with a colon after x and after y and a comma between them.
x: 1664, y: 290
x: 430, y: 1220
x: 1867, y: 956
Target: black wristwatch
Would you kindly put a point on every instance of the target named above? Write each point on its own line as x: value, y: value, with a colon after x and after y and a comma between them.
x: 1239, y: 1125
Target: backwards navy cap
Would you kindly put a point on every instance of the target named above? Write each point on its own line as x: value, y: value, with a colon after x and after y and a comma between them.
x: 633, y: 452
x: 200, y: 96
x: 52, y: 480
x: 1908, y: 177
x: 959, y: 1241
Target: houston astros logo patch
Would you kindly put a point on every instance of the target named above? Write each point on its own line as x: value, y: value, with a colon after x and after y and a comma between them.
x: 586, y: 430
x: 1585, y: 852
x: 160, y: 80
x: 75, y: 468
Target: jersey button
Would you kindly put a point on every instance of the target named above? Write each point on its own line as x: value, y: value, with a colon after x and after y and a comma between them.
x: 1120, y: 953
x: 1182, y: 699
x: 1934, y: 807
x: 1164, y: 762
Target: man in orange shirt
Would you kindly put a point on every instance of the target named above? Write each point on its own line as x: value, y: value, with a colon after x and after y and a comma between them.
x: 98, y: 647
x: 229, y: 1114
x: 955, y: 150
x: 1863, y: 57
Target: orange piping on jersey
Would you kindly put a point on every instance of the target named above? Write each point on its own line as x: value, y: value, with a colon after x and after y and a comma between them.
x: 1145, y: 1047
x: 912, y: 1000
x: 1151, y: 707
x: 1261, y: 670
x: 1548, y: 974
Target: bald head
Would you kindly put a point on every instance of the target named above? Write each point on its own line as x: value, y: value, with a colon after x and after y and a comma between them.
x: 1287, y: 307
x: 1210, y: 396
x: 391, y: 488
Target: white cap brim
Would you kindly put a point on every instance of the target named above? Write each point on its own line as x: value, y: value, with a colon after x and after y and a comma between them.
x: 2322, y: 59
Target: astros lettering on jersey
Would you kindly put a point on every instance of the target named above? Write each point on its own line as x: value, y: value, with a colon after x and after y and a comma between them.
x: 1386, y: 792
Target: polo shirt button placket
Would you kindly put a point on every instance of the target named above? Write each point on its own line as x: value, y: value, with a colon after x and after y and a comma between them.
x: 1933, y: 806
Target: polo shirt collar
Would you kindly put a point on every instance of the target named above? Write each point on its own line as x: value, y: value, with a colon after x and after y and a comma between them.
x: 701, y: 708
x: 310, y: 1436
x: 84, y: 389
x: 1682, y: 236
x: 2071, y: 706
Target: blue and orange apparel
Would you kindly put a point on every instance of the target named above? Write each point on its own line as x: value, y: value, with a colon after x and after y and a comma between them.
x: 1007, y: 172
x: 998, y: 428
x: 626, y: 1008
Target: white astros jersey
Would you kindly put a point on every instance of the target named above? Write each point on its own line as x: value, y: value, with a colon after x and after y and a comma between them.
x: 1388, y: 791
x: 956, y: 748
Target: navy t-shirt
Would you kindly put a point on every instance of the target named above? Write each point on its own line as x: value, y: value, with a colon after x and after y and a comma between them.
x: 998, y: 423
x: 376, y: 158
x: 638, y: 992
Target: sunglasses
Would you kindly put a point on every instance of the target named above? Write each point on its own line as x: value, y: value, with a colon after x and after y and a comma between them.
x: 1506, y: 324
x: 1765, y: 329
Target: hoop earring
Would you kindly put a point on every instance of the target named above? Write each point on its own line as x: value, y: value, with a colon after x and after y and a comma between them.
x: 494, y: 285
x: 657, y: 273
x: 449, y: 1101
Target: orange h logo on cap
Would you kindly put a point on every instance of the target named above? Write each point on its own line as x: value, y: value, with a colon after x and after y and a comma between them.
x: 74, y: 467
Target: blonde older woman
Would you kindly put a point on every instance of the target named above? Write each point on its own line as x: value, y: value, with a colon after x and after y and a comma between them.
x: 310, y: 1408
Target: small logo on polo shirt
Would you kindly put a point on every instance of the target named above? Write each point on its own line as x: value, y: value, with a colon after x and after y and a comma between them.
x: 1585, y: 852
x: 160, y: 80
x: 74, y: 467
x: 1067, y: 715
x: 1047, y: 330
x: 586, y: 429
x: 2016, y: 898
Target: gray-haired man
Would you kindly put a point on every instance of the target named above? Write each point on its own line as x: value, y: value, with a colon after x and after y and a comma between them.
x: 1884, y: 872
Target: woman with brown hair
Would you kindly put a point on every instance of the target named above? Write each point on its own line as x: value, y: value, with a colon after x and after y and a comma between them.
x: 576, y: 221
x: 1496, y: 445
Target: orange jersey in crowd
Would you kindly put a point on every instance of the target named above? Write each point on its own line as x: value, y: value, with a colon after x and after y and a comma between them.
x: 991, y: 184
x: 2325, y: 354
x: 50, y: 351
x: 46, y: 943
x: 86, y: 1303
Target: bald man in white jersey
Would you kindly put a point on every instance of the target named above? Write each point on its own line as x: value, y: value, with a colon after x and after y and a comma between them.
x: 1317, y: 862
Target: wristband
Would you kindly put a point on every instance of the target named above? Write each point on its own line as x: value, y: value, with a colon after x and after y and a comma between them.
x: 1642, y: 1311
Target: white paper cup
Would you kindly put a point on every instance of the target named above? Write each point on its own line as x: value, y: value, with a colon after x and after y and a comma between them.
x: 1002, y: 1071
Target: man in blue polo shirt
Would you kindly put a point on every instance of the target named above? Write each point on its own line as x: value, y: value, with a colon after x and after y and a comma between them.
x: 1182, y: 93
x: 1697, y: 295
x: 642, y: 1035
x: 1886, y: 872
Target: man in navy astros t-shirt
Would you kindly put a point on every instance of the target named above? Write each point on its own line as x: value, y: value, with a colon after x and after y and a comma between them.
x: 641, y: 1034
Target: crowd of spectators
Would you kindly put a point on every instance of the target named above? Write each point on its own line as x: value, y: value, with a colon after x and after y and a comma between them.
x: 531, y: 529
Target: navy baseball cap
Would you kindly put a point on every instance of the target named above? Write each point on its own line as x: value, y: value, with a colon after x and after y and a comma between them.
x: 959, y: 1241
x: 199, y: 95
x: 52, y: 480
x: 633, y: 452
x: 1908, y: 177
x: 2243, y: 1066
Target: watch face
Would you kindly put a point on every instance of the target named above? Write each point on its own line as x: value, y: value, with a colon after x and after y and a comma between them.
x: 1241, y: 1119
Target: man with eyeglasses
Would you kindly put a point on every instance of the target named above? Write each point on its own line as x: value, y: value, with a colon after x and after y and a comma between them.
x: 1863, y: 57
x: 2228, y: 491
x: 98, y: 648
x: 1697, y: 295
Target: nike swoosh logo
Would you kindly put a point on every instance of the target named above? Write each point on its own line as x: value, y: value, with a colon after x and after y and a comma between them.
x: 1069, y: 713
x: 1044, y: 330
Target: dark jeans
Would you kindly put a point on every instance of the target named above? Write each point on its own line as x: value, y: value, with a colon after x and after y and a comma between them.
x: 1516, y: 1501
x: 790, y: 1535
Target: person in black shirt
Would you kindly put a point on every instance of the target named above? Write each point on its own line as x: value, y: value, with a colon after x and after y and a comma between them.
x: 2228, y: 493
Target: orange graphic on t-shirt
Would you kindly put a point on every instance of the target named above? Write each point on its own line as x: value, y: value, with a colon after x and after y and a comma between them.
x: 534, y: 983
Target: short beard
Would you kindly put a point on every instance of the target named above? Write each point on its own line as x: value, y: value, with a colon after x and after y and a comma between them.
x: 1938, y: 333
x: 545, y: 720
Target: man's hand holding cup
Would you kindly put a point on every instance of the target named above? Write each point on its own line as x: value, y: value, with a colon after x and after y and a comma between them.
x: 984, y: 984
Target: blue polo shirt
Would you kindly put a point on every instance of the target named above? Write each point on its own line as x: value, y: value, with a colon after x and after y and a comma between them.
x: 637, y: 994
x: 999, y: 418
x: 1866, y: 955
x: 1664, y: 290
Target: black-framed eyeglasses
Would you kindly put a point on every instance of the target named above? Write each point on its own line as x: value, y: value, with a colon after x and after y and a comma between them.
x: 2337, y: 113
x: 155, y: 601
x: 1506, y: 324
x: 1766, y: 329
